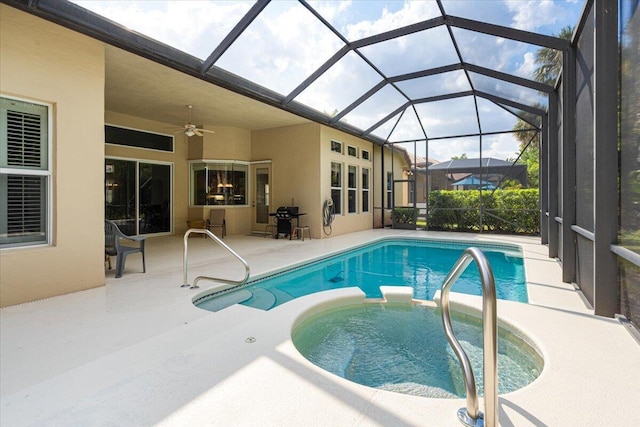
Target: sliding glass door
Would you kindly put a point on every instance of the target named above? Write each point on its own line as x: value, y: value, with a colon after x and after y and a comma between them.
x: 138, y: 196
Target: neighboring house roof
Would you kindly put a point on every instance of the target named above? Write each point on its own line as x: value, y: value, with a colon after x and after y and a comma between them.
x: 458, y: 165
x: 404, y: 153
x: 420, y: 161
x: 487, y: 165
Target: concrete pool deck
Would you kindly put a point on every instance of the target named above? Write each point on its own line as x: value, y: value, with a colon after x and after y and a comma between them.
x: 136, y: 352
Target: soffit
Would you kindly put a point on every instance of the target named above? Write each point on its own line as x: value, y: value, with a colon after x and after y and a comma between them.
x: 143, y: 88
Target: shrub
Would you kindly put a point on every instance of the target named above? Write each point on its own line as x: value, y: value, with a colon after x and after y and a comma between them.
x: 505, y: 211
x: 404, y: 215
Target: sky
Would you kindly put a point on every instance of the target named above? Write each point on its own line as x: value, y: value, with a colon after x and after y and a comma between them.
x: 286, y: 43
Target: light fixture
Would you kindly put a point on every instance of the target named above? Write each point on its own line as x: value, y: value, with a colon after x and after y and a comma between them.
x: 189, y: 132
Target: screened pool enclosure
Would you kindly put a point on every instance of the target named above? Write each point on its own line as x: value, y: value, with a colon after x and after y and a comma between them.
x: 441, y: 81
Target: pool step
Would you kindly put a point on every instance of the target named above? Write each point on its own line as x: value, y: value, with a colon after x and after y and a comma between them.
x: 265, y: 299
x: 224, y: 301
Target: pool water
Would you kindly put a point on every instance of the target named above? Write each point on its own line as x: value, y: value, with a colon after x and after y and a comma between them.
x: 421, y: 264
x: 402, y: 348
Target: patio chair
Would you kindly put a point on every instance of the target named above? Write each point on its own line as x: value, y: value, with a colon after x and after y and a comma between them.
x: 271, y: 227
x: 113, y: 246
x: 217, y: 220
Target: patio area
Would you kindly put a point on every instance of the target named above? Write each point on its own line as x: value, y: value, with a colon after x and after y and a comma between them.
x: 137, y: 352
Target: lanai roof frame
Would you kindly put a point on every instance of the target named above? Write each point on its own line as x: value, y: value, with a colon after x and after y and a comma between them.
x: 96, y: 26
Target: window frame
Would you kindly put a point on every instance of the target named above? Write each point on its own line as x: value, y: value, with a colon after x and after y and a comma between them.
x: 137, y: 161
x: 365, y: 155
x: 337, y: 207
x: 47, y: 173
x: 389, y: 190
x: 411, y: 191
x: 173, y: 139
x: 352, y: 190
x: 338, y: 144
x: 355, y: 151
x: 366, y: 208
x: 232, y: 163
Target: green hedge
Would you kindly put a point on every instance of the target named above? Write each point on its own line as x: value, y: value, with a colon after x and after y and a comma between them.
x: 404, y: 215
x: 505, y: 211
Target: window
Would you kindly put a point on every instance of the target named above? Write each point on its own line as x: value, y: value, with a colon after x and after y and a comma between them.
x: 365, y: 155
x: 219, y: 183
x: 352, y: 189
x: 365, y: 190
x: 389, y: 190
x: 412, y: 190
x: 138, y: 139
x: 336, y: 146
x: 352, y: 151
x: 138, y: 195
x: 25, y: 173
x: 336, y: 186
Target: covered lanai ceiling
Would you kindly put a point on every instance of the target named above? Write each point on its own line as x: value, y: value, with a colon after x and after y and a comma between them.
x: 391, y: 71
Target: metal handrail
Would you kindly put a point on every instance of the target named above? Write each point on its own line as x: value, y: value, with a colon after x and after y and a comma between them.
x: 470, y: 416
x: 215, y: 238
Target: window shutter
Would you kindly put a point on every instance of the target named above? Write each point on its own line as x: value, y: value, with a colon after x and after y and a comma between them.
x: 24, y: 173
x: 25, y: 205
x: 23, y: 139
x: 24, y: 146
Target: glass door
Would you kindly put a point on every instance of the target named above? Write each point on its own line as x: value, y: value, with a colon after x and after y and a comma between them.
x: 154, y: 197
x: 261, y: 196
x: 120, y: 194
x: 138, y: 196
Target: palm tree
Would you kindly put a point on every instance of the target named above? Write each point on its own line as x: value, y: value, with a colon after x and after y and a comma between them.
x: 549, y: 61
x: 549, y: 65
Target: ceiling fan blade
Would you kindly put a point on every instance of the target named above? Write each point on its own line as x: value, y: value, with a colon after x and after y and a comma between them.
x: 198, y: 132
x: 206, y: 130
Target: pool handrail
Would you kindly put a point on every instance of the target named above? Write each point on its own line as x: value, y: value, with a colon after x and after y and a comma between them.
x: 185, y: 261
x: 471, y: 416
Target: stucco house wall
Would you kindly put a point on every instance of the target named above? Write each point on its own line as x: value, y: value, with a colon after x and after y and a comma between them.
x: 294, y: 152
x: 345, y: 222
x: 46, y: 63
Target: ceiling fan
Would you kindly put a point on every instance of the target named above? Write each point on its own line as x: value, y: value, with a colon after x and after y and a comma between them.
x: 190, y: 129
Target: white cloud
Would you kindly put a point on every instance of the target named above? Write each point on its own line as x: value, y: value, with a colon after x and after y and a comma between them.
x: 526, y: 67
x: 342, y: 84
x: 445, y: 149
x: 281, y: 48
x: 503, y: 146
x: 411, y: 12
x: 331, y: 10
x: 195, y: 27
x: 532, y: 15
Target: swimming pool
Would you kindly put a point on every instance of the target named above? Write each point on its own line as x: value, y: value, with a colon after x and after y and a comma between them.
x: 420, y: 263
x: 402, y: 348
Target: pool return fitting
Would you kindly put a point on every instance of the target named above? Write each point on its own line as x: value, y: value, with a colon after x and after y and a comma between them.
x: 471, y: 416
x: 185, y: 261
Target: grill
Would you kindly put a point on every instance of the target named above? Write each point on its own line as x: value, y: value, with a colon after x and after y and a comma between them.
x: 284, y: 215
